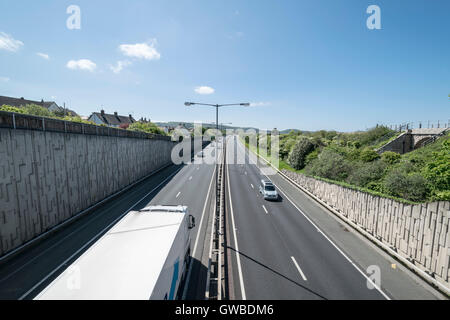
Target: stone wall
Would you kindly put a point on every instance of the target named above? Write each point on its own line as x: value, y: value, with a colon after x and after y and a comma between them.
x: 420, y: 233
x: 402, y: 144
x: 47, y: 177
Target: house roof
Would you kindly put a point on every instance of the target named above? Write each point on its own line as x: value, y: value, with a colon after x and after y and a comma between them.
x: 21, y: 102
x: 114, y: 119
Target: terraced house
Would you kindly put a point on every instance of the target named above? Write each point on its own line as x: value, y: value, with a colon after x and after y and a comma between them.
x: 111, y: 120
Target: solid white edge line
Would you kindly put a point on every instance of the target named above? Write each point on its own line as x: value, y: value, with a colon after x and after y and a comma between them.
x: 325, y: 236
x: 298, y: 268
x: 238, y: 258
x: 188, y: 277
x: 95, y: 237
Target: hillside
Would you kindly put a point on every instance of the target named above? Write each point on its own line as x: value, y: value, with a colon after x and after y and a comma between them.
x: 350, y: 159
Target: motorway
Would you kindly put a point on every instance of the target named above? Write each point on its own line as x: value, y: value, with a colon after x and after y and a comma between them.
x: 27, y: 273
x: 290, y: 249
x: 294, y: 249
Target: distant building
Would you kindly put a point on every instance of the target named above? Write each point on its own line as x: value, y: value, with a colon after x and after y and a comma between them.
x: 111, y: 120
x: 21, y: 102
x: 167, y: 129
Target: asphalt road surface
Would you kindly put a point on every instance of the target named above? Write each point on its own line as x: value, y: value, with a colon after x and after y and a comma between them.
x: 294, y: 249
x: 26, y: 274
x: 290, y: 249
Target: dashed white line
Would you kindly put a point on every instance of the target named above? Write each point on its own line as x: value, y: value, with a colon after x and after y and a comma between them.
x: 178, y: 194
x: 265, y: 209
x: 298, y: 268
x: 330, y: 241
x: 190, y: 178
x: 252, y: 186
x: 188, y: 277
x: 238, y: 258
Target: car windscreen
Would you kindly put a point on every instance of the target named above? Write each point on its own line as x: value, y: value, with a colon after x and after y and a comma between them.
x: 270, y: 188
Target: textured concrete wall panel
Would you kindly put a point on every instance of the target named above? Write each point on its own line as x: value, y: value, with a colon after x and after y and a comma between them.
x: 48, y: 177
x: 418, y: 232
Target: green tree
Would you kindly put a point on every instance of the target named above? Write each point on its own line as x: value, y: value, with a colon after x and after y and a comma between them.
x: 36, y: 110
x: 299, y: 152
x: 147, y: 127
x: 330, y: 165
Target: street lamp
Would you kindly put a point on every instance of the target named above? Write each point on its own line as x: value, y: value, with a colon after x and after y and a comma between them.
x: 217, y: 106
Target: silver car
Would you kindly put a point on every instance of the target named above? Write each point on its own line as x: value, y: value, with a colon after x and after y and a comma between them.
x: 267, y: 189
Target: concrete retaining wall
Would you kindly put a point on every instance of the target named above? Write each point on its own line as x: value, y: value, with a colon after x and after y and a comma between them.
x: 420, y: 233
x: 47, y: 177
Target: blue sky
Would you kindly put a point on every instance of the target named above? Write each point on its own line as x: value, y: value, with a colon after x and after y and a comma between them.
x: 303, y: 64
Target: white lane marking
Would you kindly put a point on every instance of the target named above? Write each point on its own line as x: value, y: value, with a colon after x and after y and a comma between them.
x: 245, y: 172
x: 96, y: 236
x: 238, y: 258
x: 186, y: 286
x: 334, y: 245
x: 178, y: 194
x: 252, y: 186
x: 298, y: 268
x: 198, y: 168
x: 190, y: 178
x: 265, y: 209
x: 329, y: 240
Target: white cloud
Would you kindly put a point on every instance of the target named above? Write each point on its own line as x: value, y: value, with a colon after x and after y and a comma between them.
x: 4, y: 79
x: 144, y: 50
x: 82, y: 64
x: 120, y: 65
x: 8, y: 43
x: 260, y: 104
x: 43, y: 55
x: 204, y: 90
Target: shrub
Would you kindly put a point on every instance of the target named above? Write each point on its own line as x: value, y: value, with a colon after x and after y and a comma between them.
x: 368, y: 155
x: 286, y: 146
x: 438, y: 170
x: 147, y: 127
x: 366, y: 173
x: 299, y: 152
x: 412, y: 187
x: 11, y: 109
x: 36, y: 110
x: 330, y: 165
x: 311, y: 157
x: 390, y: 157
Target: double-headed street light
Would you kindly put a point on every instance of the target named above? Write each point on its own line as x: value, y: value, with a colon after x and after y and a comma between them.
x: 217, y: 106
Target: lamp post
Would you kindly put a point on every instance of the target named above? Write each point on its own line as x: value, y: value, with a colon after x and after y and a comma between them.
x: 217, y: 106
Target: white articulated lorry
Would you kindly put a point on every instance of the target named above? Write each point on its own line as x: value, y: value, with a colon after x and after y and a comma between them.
x: 144, y: 256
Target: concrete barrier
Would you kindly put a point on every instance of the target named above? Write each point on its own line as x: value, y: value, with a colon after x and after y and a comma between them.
x: 419, y: 233
x: 52, y: 169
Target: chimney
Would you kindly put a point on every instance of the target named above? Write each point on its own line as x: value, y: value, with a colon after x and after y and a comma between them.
x: 115, y: 113
x: 102, y: 112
